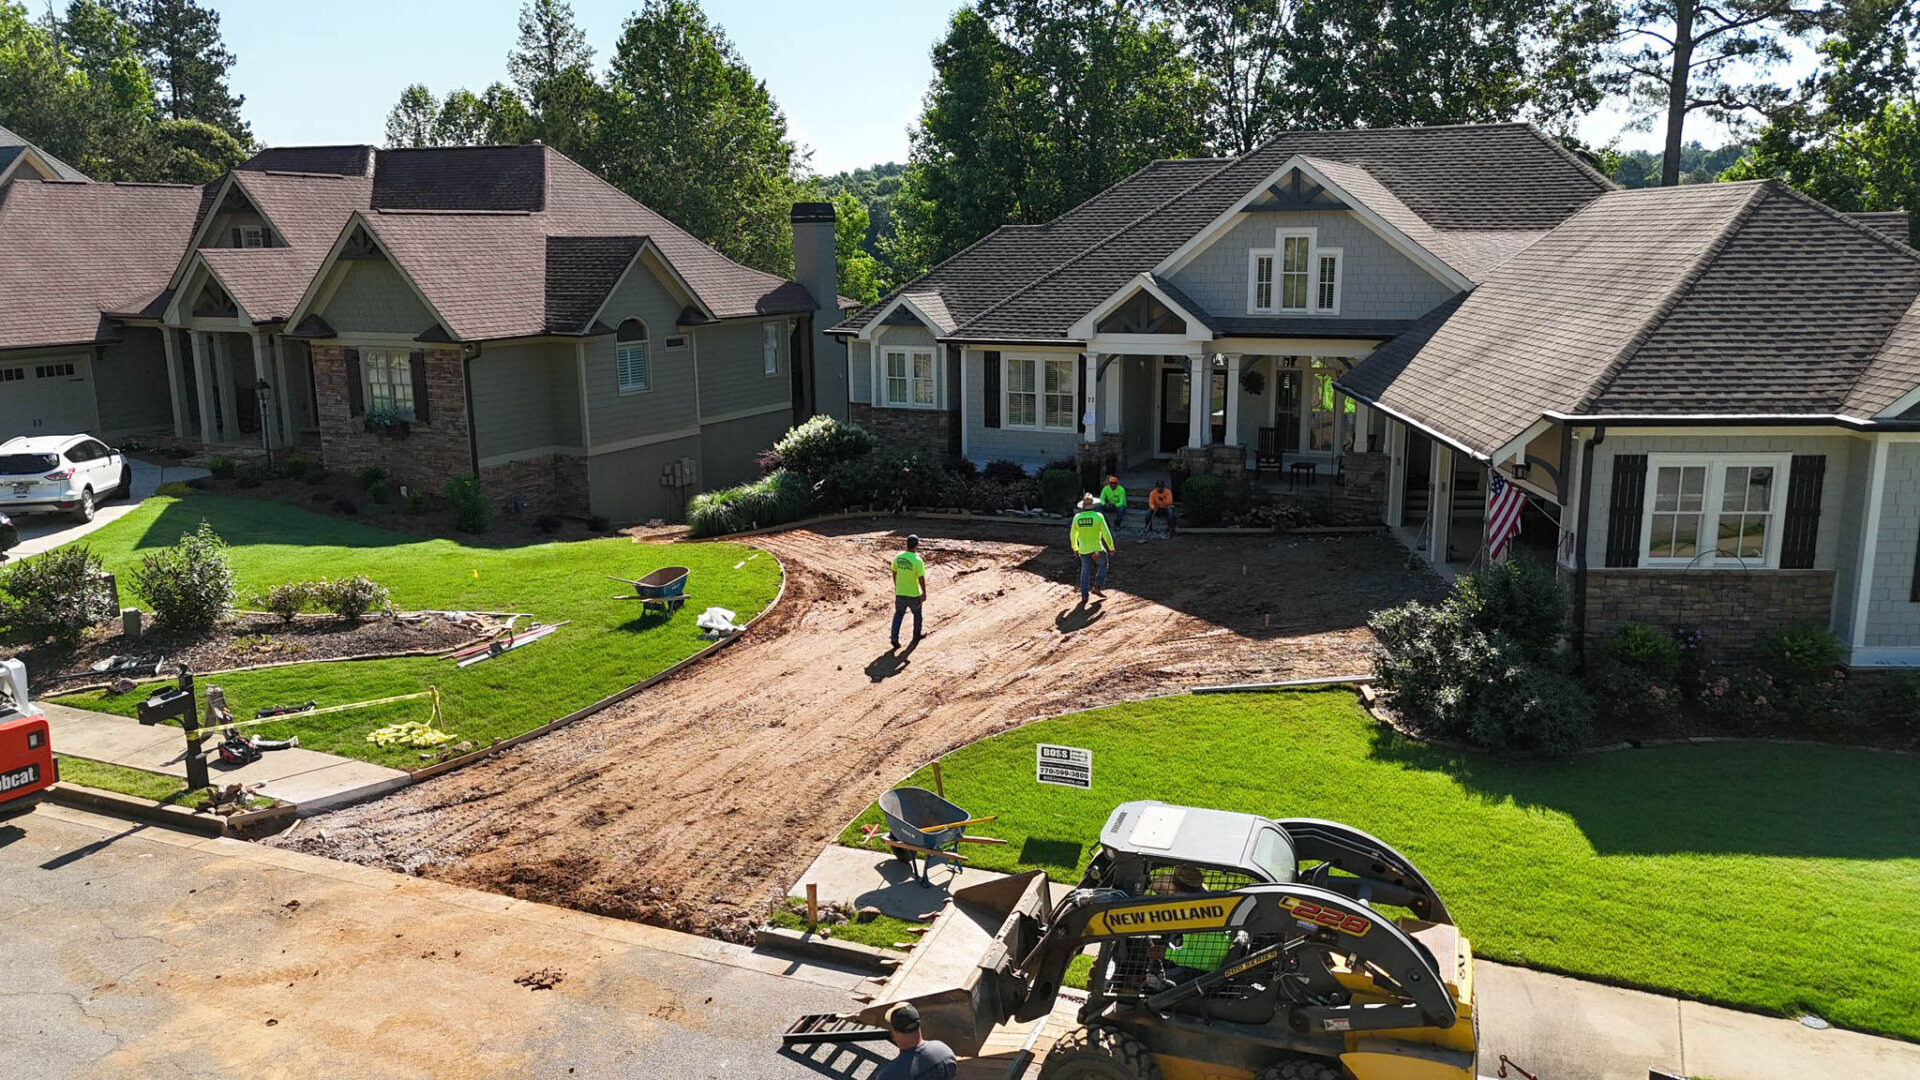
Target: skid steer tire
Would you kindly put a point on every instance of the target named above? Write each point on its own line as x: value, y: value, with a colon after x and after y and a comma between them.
x: 1303, y: 1069
x: 1099, y: 1053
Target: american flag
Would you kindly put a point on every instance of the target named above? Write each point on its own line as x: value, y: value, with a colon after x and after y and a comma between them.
x: 1504, y: 503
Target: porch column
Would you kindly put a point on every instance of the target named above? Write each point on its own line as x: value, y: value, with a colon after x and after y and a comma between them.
x: 176, y: 382
x: 1199, y: 402
x: 283, y: 392
x: 1233, y: 399
x: 1339, y: 424
x: 203, y: 385
x: 1395, y: 441
x: 1440, y: 501
x: 229, y: 400
x: 1089, y: 420
x: 1110, y: 418
x: 270, y: 418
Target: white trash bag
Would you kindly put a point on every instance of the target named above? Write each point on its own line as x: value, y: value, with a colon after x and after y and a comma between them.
x: 717, y: 621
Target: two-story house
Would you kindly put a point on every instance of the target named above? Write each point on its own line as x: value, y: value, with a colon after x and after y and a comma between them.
x: 1398, y: 313
x: 491, y: 311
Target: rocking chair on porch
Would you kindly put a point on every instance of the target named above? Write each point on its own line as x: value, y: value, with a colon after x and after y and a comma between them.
x: 1269, y: 455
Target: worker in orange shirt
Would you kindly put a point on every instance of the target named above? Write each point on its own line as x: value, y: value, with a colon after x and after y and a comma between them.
x: 1160, y: 505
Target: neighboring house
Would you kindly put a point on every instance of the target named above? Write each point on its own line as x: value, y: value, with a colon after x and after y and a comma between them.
x: 21, y: 160
x: 1400, y: 310
x: 496, y: 311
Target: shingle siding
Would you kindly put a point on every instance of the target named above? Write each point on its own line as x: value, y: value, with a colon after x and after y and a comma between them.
x: 373, y: 298
x: 733, y: 368
x: 522, y: 395
x: 1893, y: 619
x: 1030, y: 448
x: 1377, y: 281
x: 668, y: 405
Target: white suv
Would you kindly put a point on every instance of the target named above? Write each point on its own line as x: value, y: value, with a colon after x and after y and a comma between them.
x: 61, y: 473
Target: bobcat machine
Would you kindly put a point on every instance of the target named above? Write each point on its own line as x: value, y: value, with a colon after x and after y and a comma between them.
x: 1224, y: 947
x: 27, y: 768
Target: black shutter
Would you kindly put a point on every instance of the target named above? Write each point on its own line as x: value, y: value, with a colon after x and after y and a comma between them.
x: 1623, y: 509
x: 1080, y: 400
x: 990, y: 392
x: 356, y: 391
x: 1802, y: 526
x: 417, y: 361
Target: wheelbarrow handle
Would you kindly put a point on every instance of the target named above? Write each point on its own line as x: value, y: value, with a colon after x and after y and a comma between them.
x: 904, y: 846
x: 958, y: 824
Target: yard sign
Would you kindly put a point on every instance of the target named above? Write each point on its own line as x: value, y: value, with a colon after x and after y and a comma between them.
x: 1066, y: 766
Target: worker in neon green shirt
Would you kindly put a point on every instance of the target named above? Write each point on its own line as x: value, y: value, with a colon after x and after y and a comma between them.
x: 1113, y: 502
x: 909, y: 587
x: 1093, y: 542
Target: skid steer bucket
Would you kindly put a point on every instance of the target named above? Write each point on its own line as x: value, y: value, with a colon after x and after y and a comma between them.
x: 960, y: 976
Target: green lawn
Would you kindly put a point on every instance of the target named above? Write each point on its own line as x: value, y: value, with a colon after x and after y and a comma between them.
x: 139, y: 783
x: 884, y: 932
x: 1784, y: 879
x: 609, y: 645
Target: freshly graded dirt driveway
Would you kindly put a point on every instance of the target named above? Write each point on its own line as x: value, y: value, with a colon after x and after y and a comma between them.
x: 695, y: 802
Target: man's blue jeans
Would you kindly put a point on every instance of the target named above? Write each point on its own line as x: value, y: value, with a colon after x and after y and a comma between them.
x: 1114, y: 515
x: 902, y: 605
x: 1087, y: 563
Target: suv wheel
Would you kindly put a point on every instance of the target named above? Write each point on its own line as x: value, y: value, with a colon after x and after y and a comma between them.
x: 83, y: 513
x: 124, y: 490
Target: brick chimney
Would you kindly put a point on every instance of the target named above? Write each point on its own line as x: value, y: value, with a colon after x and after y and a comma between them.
x: 814, y: 267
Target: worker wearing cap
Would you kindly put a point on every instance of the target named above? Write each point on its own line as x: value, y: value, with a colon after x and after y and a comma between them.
x: 920, y: 1058
x: 1160, y: 504
x: 909, y: 587
x: 1093, y: 542
x: 1113, y: 502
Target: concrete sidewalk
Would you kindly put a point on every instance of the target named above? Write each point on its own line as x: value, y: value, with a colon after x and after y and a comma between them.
x: 44, y: 532
x: 1550, y: 1025
x: 306, y: 778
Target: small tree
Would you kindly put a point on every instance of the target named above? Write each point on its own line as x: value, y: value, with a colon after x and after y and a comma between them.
x: 57, y: 595
x: 189, y: 585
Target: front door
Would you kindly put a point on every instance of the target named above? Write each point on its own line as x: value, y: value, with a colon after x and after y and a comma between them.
x: 1175, y: 409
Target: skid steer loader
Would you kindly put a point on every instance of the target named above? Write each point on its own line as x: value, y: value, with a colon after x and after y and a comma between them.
x: 1225, y: 947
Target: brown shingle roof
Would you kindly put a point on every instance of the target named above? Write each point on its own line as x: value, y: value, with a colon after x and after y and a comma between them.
x: 581, y: 270
x: 461, y: 178
x: 12, y: 146
x: 352, y: 160
x: 1735, y: 299
x: 69, y: 252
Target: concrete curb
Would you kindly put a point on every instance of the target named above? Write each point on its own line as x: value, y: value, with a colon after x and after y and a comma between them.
x: 126, y: 806
x: 1284, y: 684
x: 808, y: 946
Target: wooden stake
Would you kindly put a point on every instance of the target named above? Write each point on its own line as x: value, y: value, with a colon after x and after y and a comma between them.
x: 813, y: 906
x: 939, y: 783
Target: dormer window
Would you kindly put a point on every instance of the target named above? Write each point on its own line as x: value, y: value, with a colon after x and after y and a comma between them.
x: 252, y: 237
x: 1294, y: 275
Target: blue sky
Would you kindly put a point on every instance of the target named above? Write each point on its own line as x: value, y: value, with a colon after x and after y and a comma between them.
x: 849, y: 73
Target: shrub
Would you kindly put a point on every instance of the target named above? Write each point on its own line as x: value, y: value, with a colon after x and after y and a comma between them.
x: 352, y: 597
x: 1640, y: 647
x: 174, y: 489
x: 346, y: 506
x: 289, y: 599
x: 1059, y: 490
x: 600, y: 523
x: 201, y: 483
x: 1005, y: 472
x: 1737, y: 699
x: 884, y: 478
x: 189, y: 585
x: 379, y: 492
x: 222, y: 468
x: 959, y: 465
x: 1520, y: 598
x: 547, y: 523
x: 416, y: 500
x: 983, y: 496
x: 816, y: 446
x: 471, y: 510
x: 57, y: 595
x: 771, y: 500
x: 1630, y: 696
x: 295, y: 466
x: 372, y: 476
x: 247, y: 480
x: 1204, y: 502
x: 1890, y: 701
x: 1800, y: 654
x: 767, y: 461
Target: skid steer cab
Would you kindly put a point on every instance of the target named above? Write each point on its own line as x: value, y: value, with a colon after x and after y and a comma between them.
x: 1224, y: 947
x: 27, y: 768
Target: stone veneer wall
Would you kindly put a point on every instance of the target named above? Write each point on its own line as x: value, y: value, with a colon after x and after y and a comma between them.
x: 935, y: 431
x: 555, y: 484
x: 1731, y: 608
x: 432, y: 452
x: 1362, y: 500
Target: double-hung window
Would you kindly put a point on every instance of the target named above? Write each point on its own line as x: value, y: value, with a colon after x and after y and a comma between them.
x: 630, y: 357
x: 1261, y: 288
x: 770, y: 347
x: 1296, y: 252
x: 909, y: 378
x: 1721, y: 511
x: 389, y: 381
x: 1326, y: 282
x: 1040, y: 393
x: 1295, y: 274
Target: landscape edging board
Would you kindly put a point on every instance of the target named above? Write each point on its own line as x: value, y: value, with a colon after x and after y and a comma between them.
x: 810, y: 946
x: 67, y: 793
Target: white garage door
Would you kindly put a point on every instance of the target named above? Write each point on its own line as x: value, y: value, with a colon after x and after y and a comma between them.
x: 52, y: 396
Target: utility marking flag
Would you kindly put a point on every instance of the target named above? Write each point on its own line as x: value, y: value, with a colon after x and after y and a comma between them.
x: 1505, y: 500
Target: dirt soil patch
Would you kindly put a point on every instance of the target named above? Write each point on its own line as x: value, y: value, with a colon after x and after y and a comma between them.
x: 247, y: 640
x: 697, y: 803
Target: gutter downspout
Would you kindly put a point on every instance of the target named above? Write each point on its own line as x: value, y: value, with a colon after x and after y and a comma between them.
x: 469, y: 353
x: 1580, y: 544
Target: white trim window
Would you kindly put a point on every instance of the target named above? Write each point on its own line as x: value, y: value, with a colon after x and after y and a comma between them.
x: 1260, y: 280
x: 770, y: 347
x: 908, y: 377
x: 1713, y: 511
x: 1326, y: 280
x: 389, y: 375
x: 1040, y: 393
x: 630, y: 358
x: 1296, y: 255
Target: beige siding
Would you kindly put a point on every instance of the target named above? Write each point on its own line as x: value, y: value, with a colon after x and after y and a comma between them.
x: 523, y: 401
x: 668, y: 404
x: 625, y: 486
x: 374, y: 298
x: 733, y: 369
x: 729, y: 450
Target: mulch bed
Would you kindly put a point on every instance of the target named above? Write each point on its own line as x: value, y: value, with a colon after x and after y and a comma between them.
x: 247, y: 640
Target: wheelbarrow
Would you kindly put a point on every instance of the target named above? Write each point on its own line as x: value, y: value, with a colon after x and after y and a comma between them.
x: 924, y: 829
x: 666, y: 587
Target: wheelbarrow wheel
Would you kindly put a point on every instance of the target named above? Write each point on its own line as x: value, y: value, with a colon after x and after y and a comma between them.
x: 902, y: 855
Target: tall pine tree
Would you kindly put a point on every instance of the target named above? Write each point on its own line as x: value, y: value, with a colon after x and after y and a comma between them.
x: 190, y: 61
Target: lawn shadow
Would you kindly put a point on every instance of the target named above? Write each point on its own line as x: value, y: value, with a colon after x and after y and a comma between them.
x: 1061, y: 853
x: 1728, y: 798
x: 649, y: 618
x: 241, y: 529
